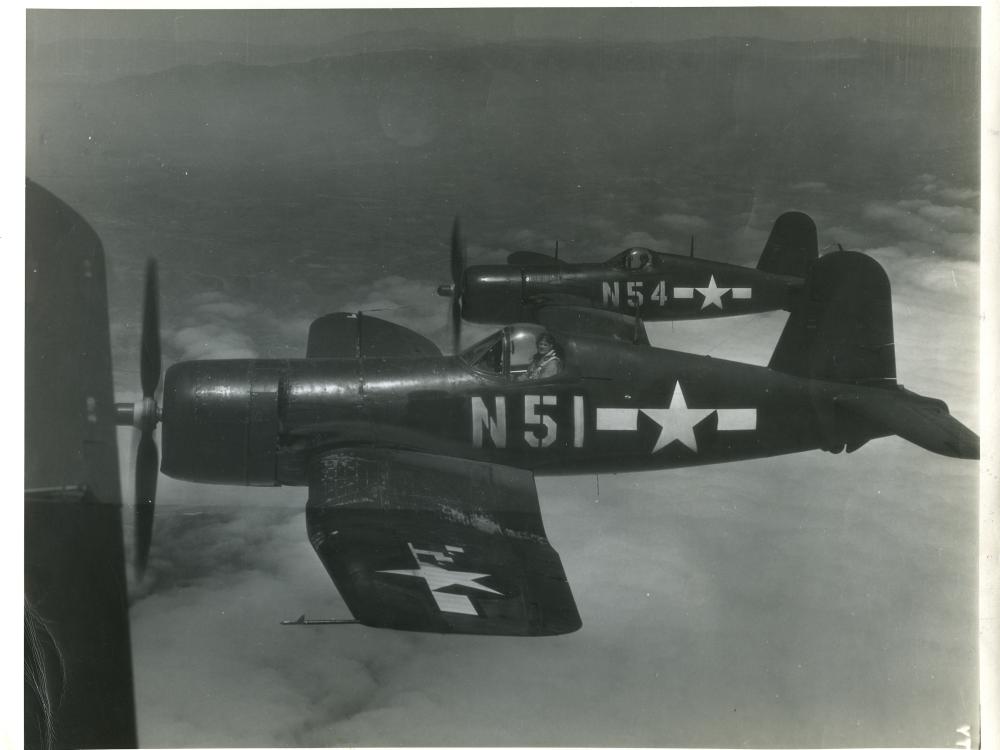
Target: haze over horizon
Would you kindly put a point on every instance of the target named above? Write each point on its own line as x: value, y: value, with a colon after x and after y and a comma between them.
x: 808, y: 600
x: 916, y: 24
x: 80, y: 41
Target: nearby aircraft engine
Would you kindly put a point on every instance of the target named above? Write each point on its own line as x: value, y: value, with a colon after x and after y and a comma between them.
x: 221, y: 421
x: 493, y: 293
x: 226, y: 421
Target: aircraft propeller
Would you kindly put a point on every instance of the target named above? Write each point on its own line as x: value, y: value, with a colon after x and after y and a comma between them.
x: 456, y: 288
x: 144, y: 415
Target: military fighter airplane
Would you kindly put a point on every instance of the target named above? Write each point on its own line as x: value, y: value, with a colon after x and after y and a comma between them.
x: 638, y: 282
x: 420, y: 467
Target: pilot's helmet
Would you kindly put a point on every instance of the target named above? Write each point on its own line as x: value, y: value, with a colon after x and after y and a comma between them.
x: 637, y: 258
x: 547, y: 338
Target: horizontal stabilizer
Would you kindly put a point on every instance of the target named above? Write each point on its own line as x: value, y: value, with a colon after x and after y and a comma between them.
x: 923, y: 421
x: 436, y: 544
x: 357, y: 335
x: 530, y: 258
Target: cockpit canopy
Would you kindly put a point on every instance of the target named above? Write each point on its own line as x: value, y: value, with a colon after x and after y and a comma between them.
x: 637, y: 258
x: 634, y: 259
x: 518, y: 352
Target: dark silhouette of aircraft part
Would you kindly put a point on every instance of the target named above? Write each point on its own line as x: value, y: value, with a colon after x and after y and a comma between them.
x: 792, y: 246
x: 78, y: 667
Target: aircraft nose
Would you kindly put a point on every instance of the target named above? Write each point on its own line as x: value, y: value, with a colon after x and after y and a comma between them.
x: 221, y: 421
x: 491, y: 294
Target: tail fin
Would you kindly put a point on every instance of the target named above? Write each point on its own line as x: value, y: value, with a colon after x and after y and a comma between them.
x: 791, y: 247
x: 841, y: 328
x: 841, y: 331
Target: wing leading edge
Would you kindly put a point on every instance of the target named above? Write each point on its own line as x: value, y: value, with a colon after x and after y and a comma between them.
x: 437, y: 544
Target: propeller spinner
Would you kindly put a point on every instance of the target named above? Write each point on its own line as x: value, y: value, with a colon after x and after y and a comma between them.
x: 144, y: 416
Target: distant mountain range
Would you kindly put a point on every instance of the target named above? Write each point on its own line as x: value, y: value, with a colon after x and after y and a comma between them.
x: 793, y: 109
x: 102, y: 60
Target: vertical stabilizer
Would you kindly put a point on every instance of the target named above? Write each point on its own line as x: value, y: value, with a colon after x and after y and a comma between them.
x: 791, y: 247
x: 841, y: 328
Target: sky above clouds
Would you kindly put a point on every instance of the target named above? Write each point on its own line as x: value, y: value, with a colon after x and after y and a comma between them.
x: 924, y: 25
x: 807, y: 600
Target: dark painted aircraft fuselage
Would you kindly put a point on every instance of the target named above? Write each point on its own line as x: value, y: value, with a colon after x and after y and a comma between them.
x: 670, y: 287
x: 257, y: 421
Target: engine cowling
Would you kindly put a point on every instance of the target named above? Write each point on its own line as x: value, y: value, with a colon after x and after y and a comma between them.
x: 493, y: 294
x: 220, y: 421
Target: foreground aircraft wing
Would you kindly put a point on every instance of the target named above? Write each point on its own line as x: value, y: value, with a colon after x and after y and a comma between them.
x: 78, y: 686
x: 591, y: 322
x: 433, y: 543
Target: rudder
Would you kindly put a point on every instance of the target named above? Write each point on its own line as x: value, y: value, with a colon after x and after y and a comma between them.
x: 791, y: 247
x: 841, y: 328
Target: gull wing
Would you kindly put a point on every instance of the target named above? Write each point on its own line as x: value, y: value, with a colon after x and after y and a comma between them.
x: 357, y: 335
x: 592, y: 322
x: 434, y: 543
x: 531, y: 258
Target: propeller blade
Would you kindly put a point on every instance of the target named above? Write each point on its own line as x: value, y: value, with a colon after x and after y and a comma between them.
x: 458, y: 263
x: 458, y: 259
x: 147, y: 468
x: 456, y: 324
x: 149, y: 366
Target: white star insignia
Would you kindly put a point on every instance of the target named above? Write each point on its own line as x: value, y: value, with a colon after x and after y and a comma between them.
x: 440, y: 578
x: 712, y: 293
x: 677, y: 421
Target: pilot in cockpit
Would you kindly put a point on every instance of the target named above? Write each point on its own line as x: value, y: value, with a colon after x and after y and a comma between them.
x: 637, y: 259
x: 546, y: 363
